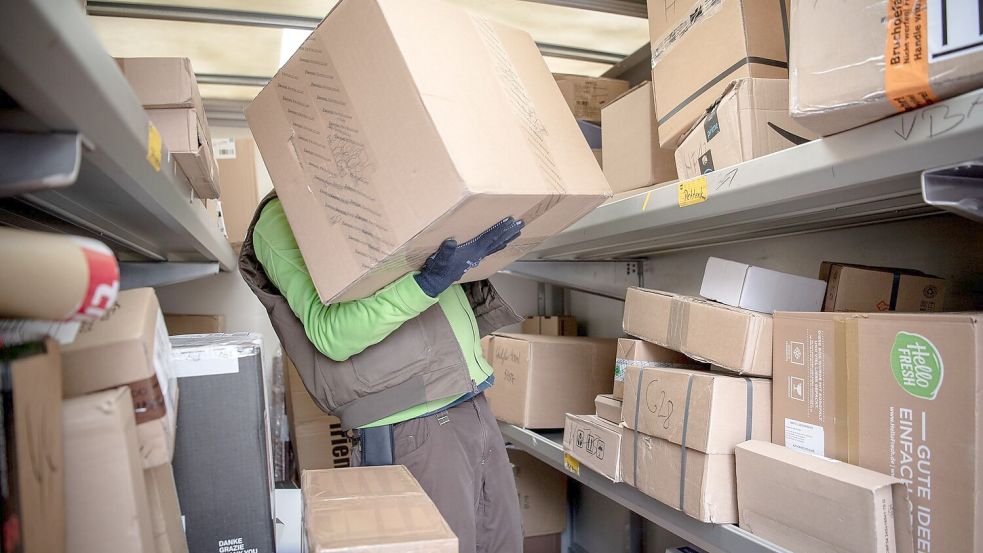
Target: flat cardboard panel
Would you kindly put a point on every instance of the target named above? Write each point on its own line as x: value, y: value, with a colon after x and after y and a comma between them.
x: 240, y: 194
x: 483, y: 135
x: 371, y: 509
x: 106, y: 506
x: 587, y: 96
x: 714, y: 411
x: 542, y: 495
x: 633, y: 158
x: 538, y: 379
x: 194, y: 324
x: 860, y: 288
x: 608, y: 408
x: 33, y: 470
x: 759, y: 289
x: 638, y: 353
x: 594, y: 442
x: 165, y: 513
x: 809, y: 504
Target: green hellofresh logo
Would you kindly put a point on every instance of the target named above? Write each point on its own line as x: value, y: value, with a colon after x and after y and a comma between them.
x: 917, y: 365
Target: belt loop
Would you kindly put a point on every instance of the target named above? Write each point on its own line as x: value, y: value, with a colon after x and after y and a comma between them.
x: 638, y: 404
x: 750, y: 408
x: 682, y: 454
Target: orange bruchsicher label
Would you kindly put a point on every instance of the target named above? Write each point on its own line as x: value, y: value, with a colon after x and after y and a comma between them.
x: 906, y: 79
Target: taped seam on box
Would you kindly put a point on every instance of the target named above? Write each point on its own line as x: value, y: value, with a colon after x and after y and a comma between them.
x: 906, y: 70
x: 749, y: 421
x: 700, y: 12
x: 682, y: 444
x: 638, y: 404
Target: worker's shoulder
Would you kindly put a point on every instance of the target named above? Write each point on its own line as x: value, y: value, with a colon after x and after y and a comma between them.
x: 272, y: 228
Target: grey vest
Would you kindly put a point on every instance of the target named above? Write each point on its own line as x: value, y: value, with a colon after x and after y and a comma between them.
x: 419, y: 362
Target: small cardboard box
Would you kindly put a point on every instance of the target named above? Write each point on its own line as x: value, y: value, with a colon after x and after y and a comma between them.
x: 888, y: 57
x: 240, y: 195
x: 370, y: 509
x: 864, y: 289
x: 608, y: 408
x: 709, y: 45
x: 758, y: 289
x: 594, y: 442
x: 33, y: 492
x: 808, y: 504
x: 587, y: 96
x: 639, y: 353
x: 129, y: 347
x: 733, y: 339
x: 631, y: 142
x: 194, y: 324
x: 378, y: 157
x: 705, y: 489
x: 538, y: 379
x: 106, y: 505
x: 162, y: 82
x: 165, y: 513
x: 750, y: 120
x: 542, y: 495
x: 705, y: 411
x: 563, y: 325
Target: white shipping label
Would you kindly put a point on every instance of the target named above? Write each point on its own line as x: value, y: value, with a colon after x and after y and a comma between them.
x: 225, y: 148
x: 955, y: 28
x: 206, y: 361
x: 805, y: 437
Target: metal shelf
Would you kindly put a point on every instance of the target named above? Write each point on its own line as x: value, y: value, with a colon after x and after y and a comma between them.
x: 713, y: 538
x: 62, y: 80
x: 866, y: 175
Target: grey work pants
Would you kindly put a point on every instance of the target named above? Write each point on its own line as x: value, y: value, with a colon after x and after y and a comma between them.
x: 459, y: 458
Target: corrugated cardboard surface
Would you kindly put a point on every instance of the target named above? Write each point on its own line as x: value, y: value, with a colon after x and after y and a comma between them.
x: 750, y: 120
x: 185, y: 133
x: 733, y: 339
x: 542, y: 495
x: 759, y: 289
x: 194, y: 324
x: 707, y: 47
x: 594, y: 442
x: 162, y: 82
x: 702, y: 486
x: 379, y: 154
x: 608, y: 408
x: 859, y: 288
x: 371, y: 509
x: 240, y: 194
x: 538, y: 379
x: 638, y: 353
x: 34, y: 491
x: 587, y: 96
x: 551, y: 326
x: 106, y: 506
x: 808, y: 504
x: 633, y: 158
x: 165, y: 513
x: 834, y: 89
x: 712, y: 412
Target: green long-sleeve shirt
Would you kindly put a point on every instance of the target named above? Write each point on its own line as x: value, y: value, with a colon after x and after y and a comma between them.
x: 344, y: 329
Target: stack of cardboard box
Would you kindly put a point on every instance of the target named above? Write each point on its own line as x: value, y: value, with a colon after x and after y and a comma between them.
x: 542, y: 501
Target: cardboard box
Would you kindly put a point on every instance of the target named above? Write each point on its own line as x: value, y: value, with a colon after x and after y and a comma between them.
x: 32, y: 470
x: 542, y: 544
x: 706, y: 490
x: 106, y: 506
x: 129, y: 347
x: 162, y: 82
x: 221, y: 457
x: 889, y: 57
x: 758, y: 289
x: 538, y: 379
x: 587, y: 96
x: 808, y: 504
x: 165, y: 512
x: 550, y: 326
x: 750, y: 120
x: 861, y: 288
x: 317, y: 439
x: 631, y: 142
x: 380, y: 156
x: 709, y: 45
x: 638, y: 353
x: 663, y: 14
x: 702, y: 410
x: 869, y: 389
x: 595, y: 442
x: 194, y: 324
x: 370, y: 509
x: 240, y: 195
x: 733, y: 339
x: 608, y: 408
x: 542, y: 495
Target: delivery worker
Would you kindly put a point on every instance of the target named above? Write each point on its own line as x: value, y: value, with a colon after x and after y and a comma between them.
x: 404, y: 368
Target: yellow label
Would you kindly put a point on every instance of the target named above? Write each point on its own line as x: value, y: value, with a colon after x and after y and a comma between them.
x: 906, y: 76
x: 571, y: 464
x: 153, y: 146
x: 693, y: 191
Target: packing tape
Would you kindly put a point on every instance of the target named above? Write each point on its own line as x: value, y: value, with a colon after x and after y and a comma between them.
x: 682, y: 453
x: 148, y: 399
x: 895, y: 288
x: 678, y: 323
x: 701, y: 11
x: 906, y: 76
x: 638, y: 404
x: 750, y: 409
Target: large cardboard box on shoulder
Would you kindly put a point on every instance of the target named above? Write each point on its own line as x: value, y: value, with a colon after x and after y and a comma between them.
x: 32, y: 477
x: 709, y: 45
x: 632, y: 156
x: 897, y: 393
x: 750, y: 120
x: 641, y: 354
x: 808, y: 504
x: 587, y: 96
x: 542, y: 495
x: 379, y: 154
x: 888, y: 57
x: 240, y: 193
x: 538, y: 379
x: 370, y: 509
x: 859, y: 288
x: 129, y: 347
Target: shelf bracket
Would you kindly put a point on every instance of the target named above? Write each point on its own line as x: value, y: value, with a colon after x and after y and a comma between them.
x: 956, y: 188
x: 30, y: 162
x: 608, y: 279
x: 144, y: 274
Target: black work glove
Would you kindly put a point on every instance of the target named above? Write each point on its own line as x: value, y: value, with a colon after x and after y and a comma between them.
x: 449, y: 263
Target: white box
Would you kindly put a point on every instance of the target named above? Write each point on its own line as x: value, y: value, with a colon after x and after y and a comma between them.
x: 757, y: 289
x: 594, y: 442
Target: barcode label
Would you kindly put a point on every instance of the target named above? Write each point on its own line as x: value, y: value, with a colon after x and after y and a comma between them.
x: 955, y: 28
x: 225, y: 148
